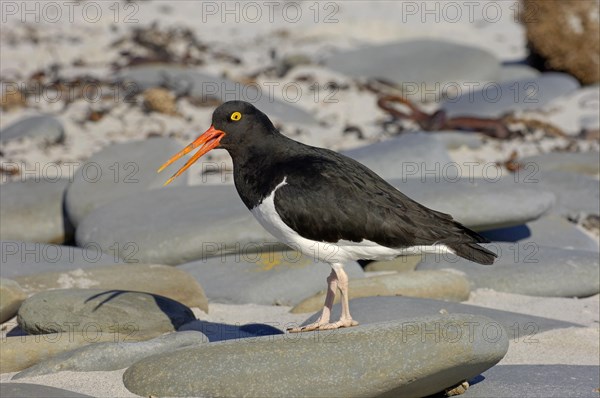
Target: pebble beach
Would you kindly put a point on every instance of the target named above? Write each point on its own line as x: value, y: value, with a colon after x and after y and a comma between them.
x: 112, y: 285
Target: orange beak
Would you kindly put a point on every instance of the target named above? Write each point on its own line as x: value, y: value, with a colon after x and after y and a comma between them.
x: 209, y: 140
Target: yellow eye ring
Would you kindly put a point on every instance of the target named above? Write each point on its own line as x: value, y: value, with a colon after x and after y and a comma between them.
x: 235, y: 116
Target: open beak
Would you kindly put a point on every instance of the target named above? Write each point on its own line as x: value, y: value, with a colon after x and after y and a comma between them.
x: 208, y: 141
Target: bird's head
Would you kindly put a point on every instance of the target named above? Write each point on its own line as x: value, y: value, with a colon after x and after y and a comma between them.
x: 233, y: 123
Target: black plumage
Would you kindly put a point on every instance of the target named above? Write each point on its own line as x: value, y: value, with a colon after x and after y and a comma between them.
x: 328, y: 196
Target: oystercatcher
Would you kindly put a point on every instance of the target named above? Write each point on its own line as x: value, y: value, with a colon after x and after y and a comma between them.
x: 325, y: 204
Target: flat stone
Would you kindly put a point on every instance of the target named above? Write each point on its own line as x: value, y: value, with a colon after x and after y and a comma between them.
x: 575, y: 193
x: 187, y: 223
x: 479, y: 204
x: 11, y: 297
x: 21, y: 352
x: 551, y: 230
x: 210, y: 88
x: 530, y: 269
x: 76, y: 309
x: 390, y: 157
x: 162, y: 280
x: 43, y: 127
x: 27, y: 258
x: 492, y: 100
x: 372, y: 310
x: 399, y: 264
x: 416, y: 363
x: 112, y: 356
x: 118, y: 171
x: 514, y: 72
x: 28, y: 390
x: 288, y: 62
x: 536, y: 381
x: 415, y: 65
x: 270, y: 278
x: 576, y: 162
x: 440, y: 285
x: 33, y: 211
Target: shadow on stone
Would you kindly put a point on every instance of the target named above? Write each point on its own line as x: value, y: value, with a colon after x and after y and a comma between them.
x: 222, y: 331
x: 477, y: 379
x: 113, y: 294
x: 68, y: 226
x: 16, y: 331
x: 510, y: 234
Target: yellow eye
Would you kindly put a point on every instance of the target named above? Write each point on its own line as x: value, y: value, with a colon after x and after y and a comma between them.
x: 235, y: 116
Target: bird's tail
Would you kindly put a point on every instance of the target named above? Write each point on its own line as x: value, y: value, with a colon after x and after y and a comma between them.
x: 474, y: 252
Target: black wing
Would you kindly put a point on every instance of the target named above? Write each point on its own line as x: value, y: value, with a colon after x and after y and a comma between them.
x: 328, y: 197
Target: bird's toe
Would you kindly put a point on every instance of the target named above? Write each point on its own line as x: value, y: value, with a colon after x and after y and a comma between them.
x: 342, y: 323
x: 307, y: 328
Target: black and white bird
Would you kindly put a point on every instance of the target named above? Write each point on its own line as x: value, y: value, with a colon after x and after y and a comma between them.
x: 326, y: 205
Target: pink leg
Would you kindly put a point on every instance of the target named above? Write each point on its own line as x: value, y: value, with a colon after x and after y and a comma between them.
x: 332, y: 284
x: 337, y: 279
x: 345, y: 319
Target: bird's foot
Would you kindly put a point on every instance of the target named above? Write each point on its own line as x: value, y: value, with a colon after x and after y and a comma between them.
x: 342, y: 323
x: 307, y: 328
